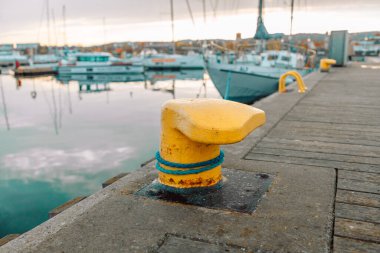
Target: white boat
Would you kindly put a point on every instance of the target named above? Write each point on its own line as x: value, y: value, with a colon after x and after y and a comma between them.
x: 246, y: 83
x: 9, y: 58
x: 367, y: 47
x: 174, y: 61
x: 97, y: 63
x: 45, y: 59
x: 270, y: 63
x: 248, y: 79
x: 190, y: 74
x: 40, y: 64
x: 85, y: 79
x: 36, y: 69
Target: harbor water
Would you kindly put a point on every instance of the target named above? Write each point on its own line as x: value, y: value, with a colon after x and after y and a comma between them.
x: 63, y: 138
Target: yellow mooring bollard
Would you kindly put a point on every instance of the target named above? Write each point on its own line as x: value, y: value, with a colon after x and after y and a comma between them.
x: 325, y: 64
x: 192, y: 130
x: 282, y: 81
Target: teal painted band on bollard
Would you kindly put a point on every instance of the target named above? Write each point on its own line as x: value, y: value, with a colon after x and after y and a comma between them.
x: 189, y: 165
x: 207, y: 165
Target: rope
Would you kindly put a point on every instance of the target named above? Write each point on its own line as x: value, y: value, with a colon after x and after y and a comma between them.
x: 205, y: 165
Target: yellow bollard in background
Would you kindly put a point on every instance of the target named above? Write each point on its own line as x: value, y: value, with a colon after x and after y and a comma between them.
x: 325, y: 64
x: 191, y: 132
x: 282, y: 81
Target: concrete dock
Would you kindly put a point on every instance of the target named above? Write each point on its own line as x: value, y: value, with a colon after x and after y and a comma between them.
x: 322, y: 151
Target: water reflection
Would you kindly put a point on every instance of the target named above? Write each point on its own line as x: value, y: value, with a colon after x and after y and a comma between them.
x: 5, y: 111
x: 100, y: 79
x: 69, y: 134
x: 62, y: 166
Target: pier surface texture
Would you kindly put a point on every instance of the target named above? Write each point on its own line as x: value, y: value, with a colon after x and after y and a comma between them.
x: 321, y: 150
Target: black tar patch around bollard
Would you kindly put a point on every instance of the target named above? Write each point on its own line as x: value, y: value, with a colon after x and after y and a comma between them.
x: 241, y: 192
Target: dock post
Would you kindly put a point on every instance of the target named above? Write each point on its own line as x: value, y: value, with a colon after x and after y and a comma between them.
x: 325, y: 64
x: 192, y: 130
x: 282, y: 81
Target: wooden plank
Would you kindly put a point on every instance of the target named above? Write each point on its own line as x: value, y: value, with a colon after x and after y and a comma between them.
x: 334, y: 119
x: 65, y: 206
x: 294, y: 141
x: 302, y: 128
x: 364, y: 118
x: 352, y: 112
x: 359, y: 230
x: 340, y: 134
x: 327, y: 127
x: 113, y: 179
x: 355, y: 185
x: 312, y: 162
x: 358, y: 175
x: 358, y: 198
x: 342, y: 101
x: 338, y: 127
x: 318, y: 155
x: 356, y: 212
x: 337, y: 116
x: 337, y: 105
x: 321, y: 147
x: 327, y: 138
x: 8, y: 238
x: 346, y: 245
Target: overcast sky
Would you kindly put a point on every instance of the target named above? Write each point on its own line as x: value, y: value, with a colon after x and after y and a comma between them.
x: 91, y: 22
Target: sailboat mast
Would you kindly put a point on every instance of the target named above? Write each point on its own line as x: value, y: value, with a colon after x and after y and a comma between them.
x: 260, y: 17
x: 291, y: 25
x: 4, y: 105
x: 190, y: 11
x: 261, y: 32
x: 48, y: 21
x: 64, y: 25
x: 54, y: 28
x: 204, y: 10
x: 291, y: 18
x: 104, y: 34
x: 172, y: 18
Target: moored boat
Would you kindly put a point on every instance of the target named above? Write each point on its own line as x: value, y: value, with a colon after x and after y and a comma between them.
x: 190, y: 74
x: 100, y: 78
x: 10, y: 58
x: 247, y: 79
x: 174, y: 61
x: 36, y: 70
x: 241, y: 86
x: 97, y: 63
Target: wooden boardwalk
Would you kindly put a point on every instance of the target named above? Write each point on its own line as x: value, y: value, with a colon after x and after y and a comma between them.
x: 322, y: 149
x: 337, y: 125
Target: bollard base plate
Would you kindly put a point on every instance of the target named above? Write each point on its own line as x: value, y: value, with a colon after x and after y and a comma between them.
x: 241, y: 192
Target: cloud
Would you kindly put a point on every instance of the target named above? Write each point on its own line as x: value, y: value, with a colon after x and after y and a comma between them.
x: 66, y: 166
x: 131, y: 20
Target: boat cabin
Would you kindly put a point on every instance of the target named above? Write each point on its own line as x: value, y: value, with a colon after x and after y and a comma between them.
x: 282, y: 59
x: 92, y: 58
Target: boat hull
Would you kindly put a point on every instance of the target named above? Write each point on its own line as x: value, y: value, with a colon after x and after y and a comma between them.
x: 96, y: 78
x: 117, y: 69
x: 37, y: 70
x: 243, y: 87
x: 190, y: 74
x: 174, y: 62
